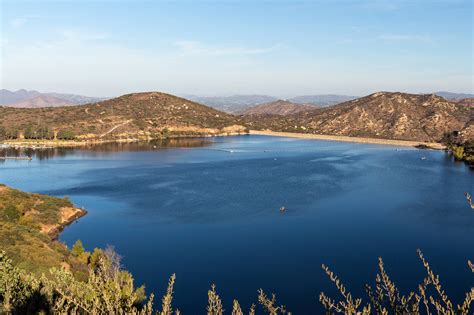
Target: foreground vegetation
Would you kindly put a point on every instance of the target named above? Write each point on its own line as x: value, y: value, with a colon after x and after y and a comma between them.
x: 460, y: 148
x: 108, y: 289
x: 41, y: 275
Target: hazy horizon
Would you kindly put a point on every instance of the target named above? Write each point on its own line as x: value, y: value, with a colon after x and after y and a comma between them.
x: 185, y: 95
x: 209, y: 48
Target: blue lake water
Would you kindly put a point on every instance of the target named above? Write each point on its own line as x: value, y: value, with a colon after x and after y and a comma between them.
x: 208, y: 210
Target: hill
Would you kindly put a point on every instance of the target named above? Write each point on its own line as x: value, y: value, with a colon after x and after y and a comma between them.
x: 232, y: 104
x: 132, y: 116
x: 386, y: 115
x: 32, y: 99
x: 279, y: 107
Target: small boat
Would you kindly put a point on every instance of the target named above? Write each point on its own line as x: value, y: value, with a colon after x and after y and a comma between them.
x: 469, y: 200
x: 423, y: 158
x: 282, y: 209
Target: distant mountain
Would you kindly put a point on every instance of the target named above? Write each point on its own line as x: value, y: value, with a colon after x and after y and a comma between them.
x: 454, y: 96
x: 380, y: 115
x: 24, y: 98
x: 10, y: 97
x: 279, y: 107
x: 77, y: 99
x: 41, y: 101
x: 232, y: 104
x: 322, y: 100
x: 132, y: 116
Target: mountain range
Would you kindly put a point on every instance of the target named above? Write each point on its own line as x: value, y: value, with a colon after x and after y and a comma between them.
x: 31, y: 99
x: 239, y: 103
x: 453, y: 96
x: 232, y: 104
x: 388, y: 115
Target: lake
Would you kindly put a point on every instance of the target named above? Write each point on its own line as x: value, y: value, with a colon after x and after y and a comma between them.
x: 208, y: 210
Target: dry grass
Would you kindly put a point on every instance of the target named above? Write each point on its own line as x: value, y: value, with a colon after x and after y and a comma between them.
x: 386, y: 298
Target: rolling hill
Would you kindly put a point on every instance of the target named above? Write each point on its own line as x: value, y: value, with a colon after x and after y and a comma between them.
x: 131, y: 116
x: 279, y: 107
x: 380, y: 115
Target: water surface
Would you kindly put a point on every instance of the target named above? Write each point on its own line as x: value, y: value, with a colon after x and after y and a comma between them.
x: 208, y: 210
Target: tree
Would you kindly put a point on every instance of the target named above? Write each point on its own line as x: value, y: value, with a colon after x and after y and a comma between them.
x: 38, y: 132
x: 66, y: 134
x: 78, y: 249
x: 3, y: 133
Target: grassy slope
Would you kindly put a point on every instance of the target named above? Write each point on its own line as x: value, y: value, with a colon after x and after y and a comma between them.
x: 21, y: 216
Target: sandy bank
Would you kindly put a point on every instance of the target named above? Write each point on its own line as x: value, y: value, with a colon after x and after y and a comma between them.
x: 67, y: 216
x: 431, y: 145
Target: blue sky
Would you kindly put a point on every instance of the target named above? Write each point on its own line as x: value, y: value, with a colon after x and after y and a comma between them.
x: 279, y: 47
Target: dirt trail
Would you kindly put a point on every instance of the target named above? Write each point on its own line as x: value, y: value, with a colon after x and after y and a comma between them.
x: 115, y: 127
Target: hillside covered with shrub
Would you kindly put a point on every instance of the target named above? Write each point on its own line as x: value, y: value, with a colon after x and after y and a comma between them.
x: 141, y: 116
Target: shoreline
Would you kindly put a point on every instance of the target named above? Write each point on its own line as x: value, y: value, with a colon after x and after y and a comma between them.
x: 55, y: 231
x: 50, y: 144
x: 406, y: 143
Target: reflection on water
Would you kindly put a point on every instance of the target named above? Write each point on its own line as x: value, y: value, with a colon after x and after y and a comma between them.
x: 105, y: 148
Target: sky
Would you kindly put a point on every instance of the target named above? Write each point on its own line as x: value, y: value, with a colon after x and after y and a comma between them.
x: 280, y: 47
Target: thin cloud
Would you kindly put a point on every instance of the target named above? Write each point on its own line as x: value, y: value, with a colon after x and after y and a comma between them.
x: 397, y: 38
x: 197, y: 48
x: 18, y: 22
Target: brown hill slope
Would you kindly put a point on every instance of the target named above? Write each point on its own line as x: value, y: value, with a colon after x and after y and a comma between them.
x: 466, y: 101
x: 138, y: 116
x: 279, y: 107
x: 380, y: 115
x: 40, y: 101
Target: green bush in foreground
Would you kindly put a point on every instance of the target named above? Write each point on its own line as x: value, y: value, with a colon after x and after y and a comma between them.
x: 110, y: 290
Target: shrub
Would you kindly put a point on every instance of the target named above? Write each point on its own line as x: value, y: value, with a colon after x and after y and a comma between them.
x: 11, y: 213
x: 458, y: 152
